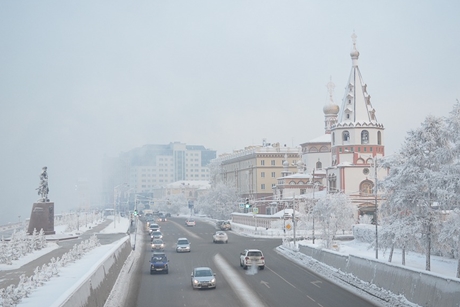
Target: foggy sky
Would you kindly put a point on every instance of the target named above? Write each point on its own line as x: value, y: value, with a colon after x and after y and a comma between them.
x: 83, y: 79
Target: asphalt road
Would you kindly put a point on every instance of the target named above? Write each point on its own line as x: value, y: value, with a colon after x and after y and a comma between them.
x: 282, y: 283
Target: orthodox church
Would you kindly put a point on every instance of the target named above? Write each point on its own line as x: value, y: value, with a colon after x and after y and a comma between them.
x: 342, y: 160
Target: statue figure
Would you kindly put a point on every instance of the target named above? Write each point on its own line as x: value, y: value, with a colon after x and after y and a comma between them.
x: 43, y: 188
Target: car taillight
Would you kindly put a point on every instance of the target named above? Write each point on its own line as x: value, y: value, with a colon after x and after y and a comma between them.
x: 262, y: 258
x: 246, y: 258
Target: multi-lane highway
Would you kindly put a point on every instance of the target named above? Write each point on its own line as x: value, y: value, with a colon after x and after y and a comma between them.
x: 282, y: 283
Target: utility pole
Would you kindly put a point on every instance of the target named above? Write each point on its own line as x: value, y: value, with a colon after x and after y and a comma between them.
x: 293, y: 217
x: 375, y: 214
x: 313, y: 198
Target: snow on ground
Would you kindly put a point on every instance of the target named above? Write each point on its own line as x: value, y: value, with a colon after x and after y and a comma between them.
x: 69, y: 276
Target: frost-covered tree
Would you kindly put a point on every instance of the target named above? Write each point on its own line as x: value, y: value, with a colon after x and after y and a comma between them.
x: 450, y: 236
x: 416, y: 185
x: 334, y: 213
x: 174, y: 204
x: 219, y: 202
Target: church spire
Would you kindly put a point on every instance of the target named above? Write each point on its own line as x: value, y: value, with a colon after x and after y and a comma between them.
x: 356, y: 104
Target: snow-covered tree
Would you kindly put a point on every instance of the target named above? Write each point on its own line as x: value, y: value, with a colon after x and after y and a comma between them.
x: 174, y: 204
x: 219, y: 202
x: 450, y: 236
x: 416, y: 185
x: 334, y: 213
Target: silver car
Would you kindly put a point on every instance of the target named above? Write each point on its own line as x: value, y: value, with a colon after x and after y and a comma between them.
x: 203, y: 278
x: 220, y: 236
x: 158, y: 244
x: 183, y: 245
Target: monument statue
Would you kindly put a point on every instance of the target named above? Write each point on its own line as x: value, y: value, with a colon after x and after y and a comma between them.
x: 42, y: 215
x: 43, y: 188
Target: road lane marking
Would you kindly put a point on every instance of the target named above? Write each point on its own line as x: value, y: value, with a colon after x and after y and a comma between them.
x: 317, y: 282
x: 237, y: 283
x: 281, y: 278
x: 265, y: 283
x: 190, y: 234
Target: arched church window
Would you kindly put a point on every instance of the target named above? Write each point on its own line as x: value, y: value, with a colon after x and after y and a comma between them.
x: 346, y: 136
x: 364, y: 137
x: 379, y: 137
x: 333, y: 138
x: 319, y: 165
x: 332, y: 183
x: 366, y: 187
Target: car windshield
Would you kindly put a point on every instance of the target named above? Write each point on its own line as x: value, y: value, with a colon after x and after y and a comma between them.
x: 201, y: 273
x: 182, y: 242
x: 157, y: 233
x: 157, y: 242
x: 158, y: 258
x: 254, y: 254
x: 153, y: 226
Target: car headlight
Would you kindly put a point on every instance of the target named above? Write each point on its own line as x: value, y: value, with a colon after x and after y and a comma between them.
x: 213, y: 280
x: 195, y: 281
x: 162, y: 245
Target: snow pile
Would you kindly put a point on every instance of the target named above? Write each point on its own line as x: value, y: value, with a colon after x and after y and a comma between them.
x: 12, y: 295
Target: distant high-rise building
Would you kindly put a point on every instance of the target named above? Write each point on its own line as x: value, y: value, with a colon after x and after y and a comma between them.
x: 145, y: 169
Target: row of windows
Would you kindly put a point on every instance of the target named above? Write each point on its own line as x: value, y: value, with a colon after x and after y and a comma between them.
x: 273, y: 174
x: 273, y: 162
x: 262, y: 186
x: 364, y: 137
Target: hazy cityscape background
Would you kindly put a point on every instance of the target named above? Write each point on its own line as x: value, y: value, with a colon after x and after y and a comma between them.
x: 80, y: 81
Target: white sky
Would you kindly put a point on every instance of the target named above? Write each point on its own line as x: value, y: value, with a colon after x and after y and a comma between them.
x: 79, y: 80
x: 70, y: 276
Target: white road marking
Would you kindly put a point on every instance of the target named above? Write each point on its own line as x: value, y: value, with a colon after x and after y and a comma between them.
x: 239, y: 286
x: 281, y: 277
x: 316, y: 283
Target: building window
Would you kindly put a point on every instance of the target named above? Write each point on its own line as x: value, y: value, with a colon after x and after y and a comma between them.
x: 262, y: 162
x: 364, y: 137
x: 366, y: 187
x: 346, y: 136
x: 262, y: 174
x: 262, y: 186
x: 319, y: 165
x: 273, y: 162
x: 273, y: 174
x: 333, y: 138
x: 379, y: 138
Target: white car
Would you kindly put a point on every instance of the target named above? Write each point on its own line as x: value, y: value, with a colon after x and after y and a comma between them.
x: 190, y: 222
x: 252, y: 257
x: 183, y: 245
x: 220, y: 236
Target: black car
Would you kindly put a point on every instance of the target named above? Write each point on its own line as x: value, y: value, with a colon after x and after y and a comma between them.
x: 159, y: 263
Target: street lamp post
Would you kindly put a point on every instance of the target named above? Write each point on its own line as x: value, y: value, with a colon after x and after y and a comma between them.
x: 313, y: 198
x: 375, y: 213
x: 293, y: 218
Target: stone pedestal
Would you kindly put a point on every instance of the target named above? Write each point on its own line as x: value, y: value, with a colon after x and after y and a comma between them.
x: 42, y: 216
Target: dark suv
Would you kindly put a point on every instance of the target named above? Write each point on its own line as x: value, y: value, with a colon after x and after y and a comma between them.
x: 159, y: 263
